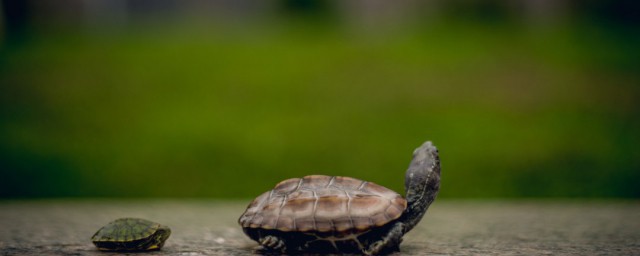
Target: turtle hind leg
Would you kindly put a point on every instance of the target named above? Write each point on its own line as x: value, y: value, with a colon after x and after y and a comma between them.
x: 272, y: 243
x: 389, y: 242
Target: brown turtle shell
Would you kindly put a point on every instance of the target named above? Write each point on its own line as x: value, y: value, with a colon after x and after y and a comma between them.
x: 319, y: 203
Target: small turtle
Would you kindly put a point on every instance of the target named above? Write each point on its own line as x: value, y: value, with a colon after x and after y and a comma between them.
x: 131, y: 234
x: 324, y: 214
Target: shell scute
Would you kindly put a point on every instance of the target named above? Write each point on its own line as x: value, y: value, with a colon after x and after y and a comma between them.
x: 298, y: 207
x: 324, y: 225
x: 305, y: 224
x: 361, y: 223
x: 378, y: 219
x: 348, y: 183
x: 315, y: 181
x: 287, y: 186
x: 343, y: 223
x: 374, y: 188
x: 365, y: 205
x: 328, y: 206
x: 285, y: 223
x: 393, y: 211
x: 329, y: 192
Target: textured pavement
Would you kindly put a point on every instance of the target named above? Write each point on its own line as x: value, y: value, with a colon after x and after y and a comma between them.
x: 451, y: 227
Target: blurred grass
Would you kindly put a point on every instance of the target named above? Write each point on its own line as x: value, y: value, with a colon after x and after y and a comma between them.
x: 183, y: 111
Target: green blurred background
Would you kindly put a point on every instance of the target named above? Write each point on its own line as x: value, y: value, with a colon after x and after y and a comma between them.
x: 222, y: 99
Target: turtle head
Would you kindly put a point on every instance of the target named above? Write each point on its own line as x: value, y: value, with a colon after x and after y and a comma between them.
x: 422, y: 182
x: 156, y: 241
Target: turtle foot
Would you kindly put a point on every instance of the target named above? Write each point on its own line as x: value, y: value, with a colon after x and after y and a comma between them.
x: 389, y: 243
x: 375, y: 248
x: 272, y: 243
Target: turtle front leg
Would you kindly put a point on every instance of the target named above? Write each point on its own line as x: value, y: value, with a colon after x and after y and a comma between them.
x: 272, y: 243
x: 391, y: 241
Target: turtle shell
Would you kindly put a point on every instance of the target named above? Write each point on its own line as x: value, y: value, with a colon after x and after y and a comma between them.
x: 131, y: 234
x: 324, y: 204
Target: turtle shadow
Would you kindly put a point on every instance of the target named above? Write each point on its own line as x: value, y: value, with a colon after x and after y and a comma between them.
x: 268, y: 252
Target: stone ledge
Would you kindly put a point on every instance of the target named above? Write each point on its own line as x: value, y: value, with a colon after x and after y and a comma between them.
x: 200, y: 227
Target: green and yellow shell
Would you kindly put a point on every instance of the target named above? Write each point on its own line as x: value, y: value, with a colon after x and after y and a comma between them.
x: 131, y: 234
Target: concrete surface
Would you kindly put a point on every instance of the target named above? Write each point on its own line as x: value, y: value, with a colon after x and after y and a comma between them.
x: 200, y: 227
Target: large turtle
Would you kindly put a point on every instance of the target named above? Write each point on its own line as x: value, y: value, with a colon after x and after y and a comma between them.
x: 320, y: 213
x: 131, y: 234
